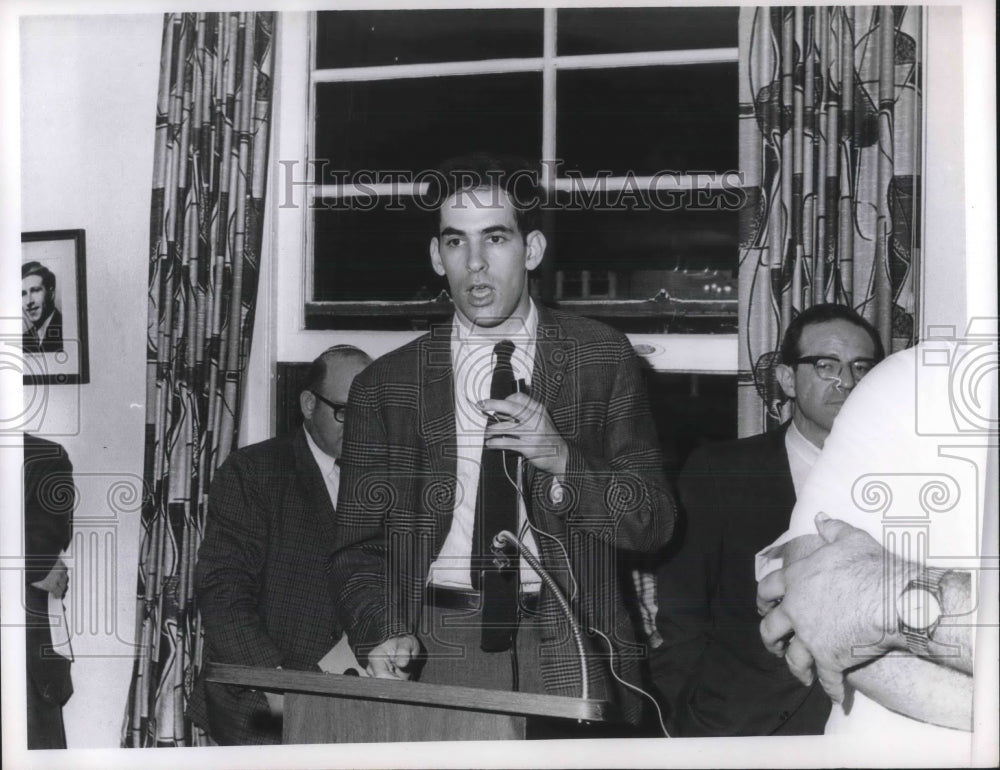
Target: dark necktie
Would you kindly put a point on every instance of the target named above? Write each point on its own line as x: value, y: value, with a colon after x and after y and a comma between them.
x: 496, y: 510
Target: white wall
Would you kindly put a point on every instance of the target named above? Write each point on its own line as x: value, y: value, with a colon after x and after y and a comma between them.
x: 88, y: 107
x: 943, y: 279
x: 958, y: 278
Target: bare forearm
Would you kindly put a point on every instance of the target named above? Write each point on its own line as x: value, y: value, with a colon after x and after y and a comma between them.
x: 918, y: 688
x: 829, y: 611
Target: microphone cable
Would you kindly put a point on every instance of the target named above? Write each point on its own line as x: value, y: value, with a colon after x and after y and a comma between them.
x: 611, y: 667
x: 575, y: 589
x: 533, y: 561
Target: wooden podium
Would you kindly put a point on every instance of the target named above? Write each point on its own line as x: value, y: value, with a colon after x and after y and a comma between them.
x: 333, y: 708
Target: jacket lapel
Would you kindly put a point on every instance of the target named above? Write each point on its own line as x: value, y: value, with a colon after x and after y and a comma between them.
x: 778, y: 454
x: 437, y: 422
x: 437, y: 400
x: 311, y: 481
x: 552, y: 355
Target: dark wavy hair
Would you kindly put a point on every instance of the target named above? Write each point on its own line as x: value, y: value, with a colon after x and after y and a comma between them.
x: 821, y: 313
x: 484, y: 171
x: 37, y: 268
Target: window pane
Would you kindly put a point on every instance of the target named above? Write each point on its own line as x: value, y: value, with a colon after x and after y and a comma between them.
x: 380, y: 254
x: 631, y: 253
x: 627, y: 30
x: 378, y: 249
x: 414, y: 124
x: 370, y: 38
x: 648, y: 119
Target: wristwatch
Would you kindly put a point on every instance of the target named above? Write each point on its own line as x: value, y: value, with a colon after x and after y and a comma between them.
x: 919, y: 610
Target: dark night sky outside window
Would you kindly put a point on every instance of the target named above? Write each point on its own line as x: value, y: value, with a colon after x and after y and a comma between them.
x: 423, y: 100
x: 413, y: 124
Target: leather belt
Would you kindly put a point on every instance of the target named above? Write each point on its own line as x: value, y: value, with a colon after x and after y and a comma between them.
x: 463, y: 599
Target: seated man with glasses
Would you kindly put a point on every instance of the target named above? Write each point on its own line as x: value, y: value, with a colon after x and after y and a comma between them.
x: 712, y: 670
x: 261, y: 580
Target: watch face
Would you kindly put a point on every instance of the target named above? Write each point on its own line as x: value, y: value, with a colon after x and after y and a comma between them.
x: 919, y: 609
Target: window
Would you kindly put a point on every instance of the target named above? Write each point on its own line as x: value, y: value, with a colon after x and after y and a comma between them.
x: 631, y: 114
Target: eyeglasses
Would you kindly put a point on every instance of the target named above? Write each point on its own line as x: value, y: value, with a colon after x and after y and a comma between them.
x: 339, y: 410
x: 832, y: 368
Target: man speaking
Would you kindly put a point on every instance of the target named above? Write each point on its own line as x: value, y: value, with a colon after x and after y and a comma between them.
x: 510, y: 417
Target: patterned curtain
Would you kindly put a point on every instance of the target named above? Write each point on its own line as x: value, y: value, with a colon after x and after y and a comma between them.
x: 212, y: 128
x: 830, y: 149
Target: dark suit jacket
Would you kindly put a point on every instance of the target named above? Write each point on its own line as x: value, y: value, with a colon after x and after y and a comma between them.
x: 261, y: 580
x: 49, y: 499
x: 398, y: 490
x: 53, y: 340
x: 713, y: 669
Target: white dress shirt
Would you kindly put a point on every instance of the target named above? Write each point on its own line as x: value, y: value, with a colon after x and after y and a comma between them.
x: 802, y: 456
x: 472, y: 364
x: 328, y: 469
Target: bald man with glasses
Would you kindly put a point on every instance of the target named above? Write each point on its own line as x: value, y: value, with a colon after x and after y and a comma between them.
x: 339, y: 410
x: 712, y: 670
x: 261, y: 580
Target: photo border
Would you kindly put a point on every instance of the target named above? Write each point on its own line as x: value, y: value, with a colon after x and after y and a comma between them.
x: 82, y: 373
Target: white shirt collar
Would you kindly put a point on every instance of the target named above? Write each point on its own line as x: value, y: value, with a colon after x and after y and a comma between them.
x: 801, y: 443
x: 463, y: 330
x: 472, y: 351
x: 328, y: 469
x: 802, y: 455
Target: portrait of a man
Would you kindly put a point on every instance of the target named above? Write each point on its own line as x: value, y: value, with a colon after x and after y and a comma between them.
x: 43, y: 322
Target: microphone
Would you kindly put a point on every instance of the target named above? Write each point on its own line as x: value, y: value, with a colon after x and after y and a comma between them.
x: 520, y: 386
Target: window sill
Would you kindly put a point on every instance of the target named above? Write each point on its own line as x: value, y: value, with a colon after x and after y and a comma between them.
x: 661, y: 314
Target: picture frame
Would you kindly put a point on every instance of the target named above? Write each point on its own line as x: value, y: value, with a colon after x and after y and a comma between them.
x: 54, y: 307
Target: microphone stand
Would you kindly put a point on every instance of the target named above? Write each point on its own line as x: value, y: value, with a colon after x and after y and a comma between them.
x: 505, y: 537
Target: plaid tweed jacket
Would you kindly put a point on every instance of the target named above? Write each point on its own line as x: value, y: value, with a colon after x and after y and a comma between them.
x: 398, y: 492
x: 261, y: 580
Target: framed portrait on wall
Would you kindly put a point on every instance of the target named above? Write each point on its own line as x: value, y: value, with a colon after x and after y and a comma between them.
x: 54, y: 307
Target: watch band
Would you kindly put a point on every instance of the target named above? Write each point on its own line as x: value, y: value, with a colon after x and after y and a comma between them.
x: 918, y: 638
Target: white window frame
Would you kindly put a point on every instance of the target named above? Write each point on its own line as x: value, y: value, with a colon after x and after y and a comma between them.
x: 293, y: 193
